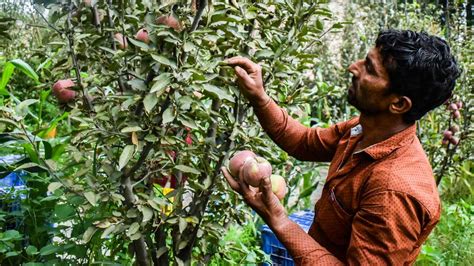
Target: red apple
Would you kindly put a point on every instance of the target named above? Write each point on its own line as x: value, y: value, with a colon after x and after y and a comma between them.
x: 61, y: 91
x: 454, y: 140
x: 123, y: 44
x: 456, y: 114
x: 255, y: 170
x: 88, y: 3
x: 278, y: 186
x: 447, y: 134
x: 453, y: 107
x: 238, y: 160
x: 459, y: 104
x: 188, y: 139
x: 169, y: 21
x: 142, y: 35
x: 445, y: 142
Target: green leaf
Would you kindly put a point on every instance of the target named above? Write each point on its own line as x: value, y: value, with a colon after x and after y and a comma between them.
x: 31, y: 250
x: 7, y: 73
x: 10, y: 235
x: 91, y: 197
x: 89, y: 233
x: 63, y: 211
x: 48, y: 250
x: 187, y: 169
x: 264, y: 54
x: 108, y: 231
x: 126, y: 155
x: 25, y: 68
x: 182, y: 224
x: 11, y: 254
x: 164, y: 61
x: 53, y: 186
x: 188, y: 123
x: 131, y: 129
x: 138, y: 84
x: 8, y: 121
x: 217, y: 92
x: 161, y: 82
x: 140, y: 44
x: 150, y: 102
x: 133, y: 229
x: 168, y: 115
x: 188, y: 47
x: 147, y: 214
x: 22, y: 108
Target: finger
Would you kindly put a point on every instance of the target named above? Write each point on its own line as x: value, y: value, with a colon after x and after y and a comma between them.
x: 243, y: 75
x: 233, y: 184
x: 243, y: 62
x: 266, y: 189
x: 244, y: 187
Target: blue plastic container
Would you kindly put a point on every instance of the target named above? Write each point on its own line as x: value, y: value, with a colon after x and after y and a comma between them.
x: 272, y: 246
x: 12, y: 191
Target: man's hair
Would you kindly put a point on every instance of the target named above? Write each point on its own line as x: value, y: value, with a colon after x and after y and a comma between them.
x: 419, y: 66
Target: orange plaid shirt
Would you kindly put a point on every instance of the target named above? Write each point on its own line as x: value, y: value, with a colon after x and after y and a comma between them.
x: 378, y: 205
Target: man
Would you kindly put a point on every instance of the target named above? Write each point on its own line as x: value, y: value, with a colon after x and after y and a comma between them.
x: 380, y: 200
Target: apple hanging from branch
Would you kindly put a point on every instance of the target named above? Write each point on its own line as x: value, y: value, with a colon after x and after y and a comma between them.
x: 62, y: 92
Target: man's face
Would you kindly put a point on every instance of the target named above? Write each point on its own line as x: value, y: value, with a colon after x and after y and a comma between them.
x: 369, y: 90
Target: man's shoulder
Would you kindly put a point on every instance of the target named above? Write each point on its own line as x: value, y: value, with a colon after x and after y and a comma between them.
x: 345, y: 126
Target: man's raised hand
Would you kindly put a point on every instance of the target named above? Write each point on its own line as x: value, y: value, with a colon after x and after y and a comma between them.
x: 249, y: 78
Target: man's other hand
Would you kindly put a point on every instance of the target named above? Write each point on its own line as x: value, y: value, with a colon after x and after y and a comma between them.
x: 262, y: 200
x: 249, y: 78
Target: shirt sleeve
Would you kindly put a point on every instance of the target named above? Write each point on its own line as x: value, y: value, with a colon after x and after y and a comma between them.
x: 384, y: 231
x: 303, y: 248
x: 299, y: 141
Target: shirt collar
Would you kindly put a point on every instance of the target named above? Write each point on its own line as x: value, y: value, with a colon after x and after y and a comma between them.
x: 384, y: 148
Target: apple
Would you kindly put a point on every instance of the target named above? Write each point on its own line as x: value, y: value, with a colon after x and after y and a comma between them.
x: 445, y: 142
x: 453, y: 107
x: 459, y: 104
x: 88, y: 3
x: 61, y: 91
x: 169, y: 21
x: 238, y: 160
x: 454, y: 128
x: 188, y: 139
x: 447, y: 134
x: 123, y: 44
x: 255, y: 169
x: 278, y: 186
x: 454, y: 140
x: 456, y: 114
x: 142, y: 35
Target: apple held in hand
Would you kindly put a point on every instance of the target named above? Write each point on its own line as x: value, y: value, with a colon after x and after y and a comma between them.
x: 279, y: 187
x: 61, y: 91
x: 255, y: 169
x: 238, y: 160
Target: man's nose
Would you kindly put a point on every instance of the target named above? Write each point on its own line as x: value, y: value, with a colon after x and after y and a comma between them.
x: 354, y: 69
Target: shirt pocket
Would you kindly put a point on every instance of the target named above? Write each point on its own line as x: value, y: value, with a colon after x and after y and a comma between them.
x: 334, y: 220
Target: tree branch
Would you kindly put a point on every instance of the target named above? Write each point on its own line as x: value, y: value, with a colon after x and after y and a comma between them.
x: 70, y: 33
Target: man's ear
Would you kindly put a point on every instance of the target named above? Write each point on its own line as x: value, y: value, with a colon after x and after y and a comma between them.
x: 400, y: 105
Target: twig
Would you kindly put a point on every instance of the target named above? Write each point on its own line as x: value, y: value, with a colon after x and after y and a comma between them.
x: 46, y: 20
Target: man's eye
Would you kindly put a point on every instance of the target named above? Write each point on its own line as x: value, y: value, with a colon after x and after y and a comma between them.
x: 369, y: 69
